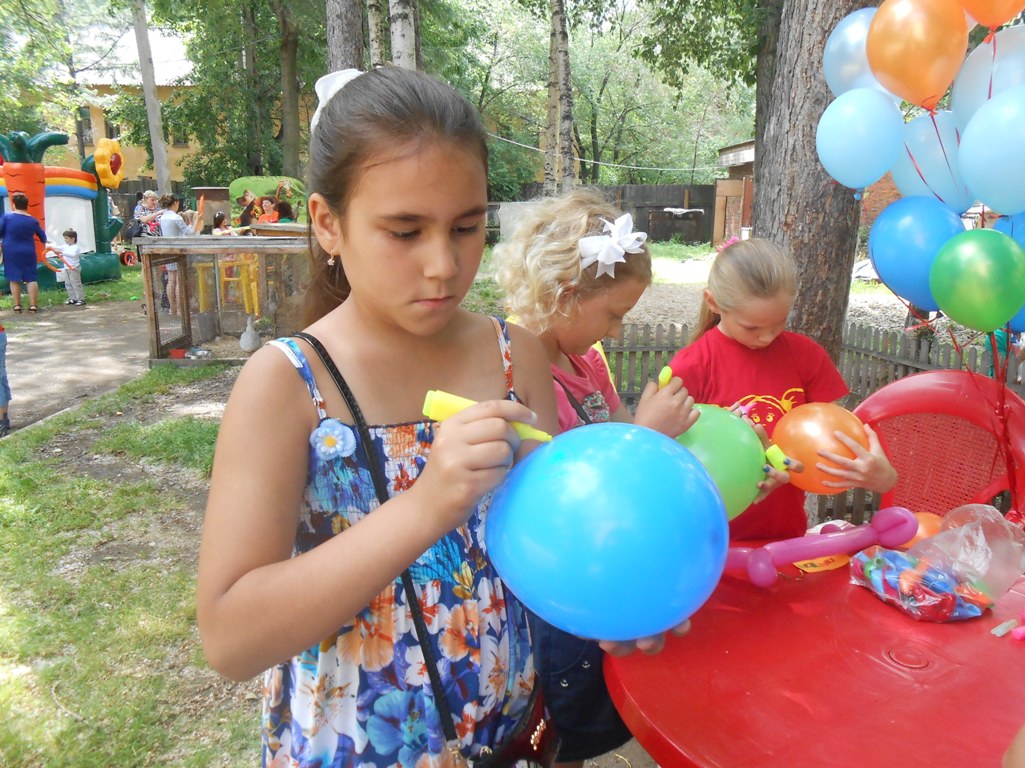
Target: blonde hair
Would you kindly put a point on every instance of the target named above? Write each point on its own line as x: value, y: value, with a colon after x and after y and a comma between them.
x: 745, y: 270
x: 539, y: 267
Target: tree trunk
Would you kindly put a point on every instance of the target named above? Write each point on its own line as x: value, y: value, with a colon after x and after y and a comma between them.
x: 254, y: 100
x: 567, y: 166
x: 287, y: 52
x: 797, y: 205
x: 345, y: 34
x: 403, y: 34
x: 551, y: 169
x: 149, y: 92
x: 376, y: 14
x: 418, y: 46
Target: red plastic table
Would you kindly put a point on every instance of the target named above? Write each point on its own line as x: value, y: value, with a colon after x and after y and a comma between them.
x: 817, y: 671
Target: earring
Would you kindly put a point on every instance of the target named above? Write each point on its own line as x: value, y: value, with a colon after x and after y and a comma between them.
x: 331, y: 260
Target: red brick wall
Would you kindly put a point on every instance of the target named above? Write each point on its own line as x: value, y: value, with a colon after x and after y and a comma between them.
x: 877, y: 197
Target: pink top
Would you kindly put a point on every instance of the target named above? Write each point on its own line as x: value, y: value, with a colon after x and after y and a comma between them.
x: 590, y: 386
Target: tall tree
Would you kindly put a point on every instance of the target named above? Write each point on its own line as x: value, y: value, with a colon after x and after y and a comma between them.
x: 780, y: 44
x: 377, y: 31
x: 288, y: 47
x: 345, y: 33
x: 403, y: 33
x: 560, y: 166
x: 796, y: 203
x: 149, y: 90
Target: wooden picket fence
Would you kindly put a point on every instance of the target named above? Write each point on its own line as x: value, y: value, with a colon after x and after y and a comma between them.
x: 870, y: 359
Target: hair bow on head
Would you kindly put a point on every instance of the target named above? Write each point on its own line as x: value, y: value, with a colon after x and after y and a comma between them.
x: 327, y: 86
x: 610, y: 249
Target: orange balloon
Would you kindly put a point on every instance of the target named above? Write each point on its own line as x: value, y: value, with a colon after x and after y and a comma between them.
x: 808, y: 429
x: 916, y: 47
x: 993, y: 13
x: 928, y: 525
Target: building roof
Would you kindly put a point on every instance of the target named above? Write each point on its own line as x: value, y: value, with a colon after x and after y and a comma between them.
x: 737, y: 154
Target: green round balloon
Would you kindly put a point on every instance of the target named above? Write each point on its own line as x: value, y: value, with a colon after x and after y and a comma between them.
x: 978, y: 279
x: 728, y: 447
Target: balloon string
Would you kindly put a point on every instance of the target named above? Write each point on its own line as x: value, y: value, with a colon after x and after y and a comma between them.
x: 946, y: 157
x: 1000, y: 411
x: 992, y: 70
x: 921, y: 175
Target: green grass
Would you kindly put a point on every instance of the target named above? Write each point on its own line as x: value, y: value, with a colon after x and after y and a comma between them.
x: 95, y: 650
x: 127, y: 288
x: 679, y: 251
x: 188, y: 441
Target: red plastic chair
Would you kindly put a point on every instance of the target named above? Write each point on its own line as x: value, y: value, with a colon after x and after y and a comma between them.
x: 943, y: 432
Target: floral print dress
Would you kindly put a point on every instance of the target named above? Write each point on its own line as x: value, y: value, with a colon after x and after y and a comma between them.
x: 362, y: 697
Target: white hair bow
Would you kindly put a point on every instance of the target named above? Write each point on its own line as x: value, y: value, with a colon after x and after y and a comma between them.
x: 327, y: 86
x: 610, y: 249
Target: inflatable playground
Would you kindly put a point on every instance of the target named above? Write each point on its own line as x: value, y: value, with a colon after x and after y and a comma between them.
x: 64, y: 197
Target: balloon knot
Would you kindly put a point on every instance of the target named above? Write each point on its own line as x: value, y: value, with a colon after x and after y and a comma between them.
x: 857, y: 195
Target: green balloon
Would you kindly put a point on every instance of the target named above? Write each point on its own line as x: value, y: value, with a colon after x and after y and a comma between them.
x: 978, y: 279
x: 728, y: 447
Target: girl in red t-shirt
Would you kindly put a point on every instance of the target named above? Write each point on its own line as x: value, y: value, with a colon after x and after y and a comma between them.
x: 740, y: 356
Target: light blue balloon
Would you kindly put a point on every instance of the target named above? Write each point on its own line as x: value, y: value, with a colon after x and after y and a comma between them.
x: 982, y: 72
x: 928, y: 163
x: 845, y: 57
x: 992, y: 155
x: 904, y: 241
x: 609, y: 532
x: 859, y: 136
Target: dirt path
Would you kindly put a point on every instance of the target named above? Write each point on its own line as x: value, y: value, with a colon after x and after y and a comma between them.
x: 63, y: 354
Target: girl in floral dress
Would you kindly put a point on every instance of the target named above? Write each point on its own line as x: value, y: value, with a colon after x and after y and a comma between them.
x: 300, y: 565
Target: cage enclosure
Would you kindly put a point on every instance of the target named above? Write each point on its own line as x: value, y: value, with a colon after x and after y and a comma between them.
x: 203, y: 292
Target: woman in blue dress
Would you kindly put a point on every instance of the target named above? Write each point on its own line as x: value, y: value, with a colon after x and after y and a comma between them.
x: 18, y: 231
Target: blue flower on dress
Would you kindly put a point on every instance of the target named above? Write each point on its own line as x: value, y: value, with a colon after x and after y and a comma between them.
x: 332, y: 438
x: 399, y: 725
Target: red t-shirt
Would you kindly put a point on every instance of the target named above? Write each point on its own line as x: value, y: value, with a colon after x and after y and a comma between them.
x: 591, y: 388
x: 789, y: 372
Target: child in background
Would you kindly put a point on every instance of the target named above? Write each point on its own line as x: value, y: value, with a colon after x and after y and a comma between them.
x: 300, y: 564
x: 740, y: 356
x: 69, y: 254
x: 571, y: 271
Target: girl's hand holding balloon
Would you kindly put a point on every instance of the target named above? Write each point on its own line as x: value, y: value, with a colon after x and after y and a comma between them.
x: 869, y: 469
x: 471, y: 455
x: 667, y: 408
x: 648, y: 645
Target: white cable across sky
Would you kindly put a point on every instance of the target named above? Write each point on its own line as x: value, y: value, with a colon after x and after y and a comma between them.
x: 611, y: 165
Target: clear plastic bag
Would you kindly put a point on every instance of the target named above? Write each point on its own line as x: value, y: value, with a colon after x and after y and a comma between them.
x: 956, y: 574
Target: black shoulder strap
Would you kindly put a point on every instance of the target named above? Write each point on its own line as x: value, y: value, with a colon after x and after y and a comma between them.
x: 381, y: 487
x: 573, y: 401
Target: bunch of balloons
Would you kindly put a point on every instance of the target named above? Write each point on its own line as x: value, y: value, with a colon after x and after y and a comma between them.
x: 942, y: 161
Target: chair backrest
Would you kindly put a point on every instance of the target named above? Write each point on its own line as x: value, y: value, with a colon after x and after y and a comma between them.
x: 954, y: 437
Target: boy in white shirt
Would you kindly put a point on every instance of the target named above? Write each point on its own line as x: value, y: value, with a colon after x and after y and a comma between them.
x: 69, y: 254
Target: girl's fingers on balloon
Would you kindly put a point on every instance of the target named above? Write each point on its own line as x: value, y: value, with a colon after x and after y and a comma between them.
x: 651, y: 645
x: 682, y: 628
x: 617, y: 648
x: 850, y: 442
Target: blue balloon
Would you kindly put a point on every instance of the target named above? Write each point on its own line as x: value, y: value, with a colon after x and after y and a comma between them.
x: 859, y: 136
x: 845, y: 57
x: 928, y: 163
x: 992, y: 152
x: 1014, y: 227
x: 904, y: 241
x: 609, y: 532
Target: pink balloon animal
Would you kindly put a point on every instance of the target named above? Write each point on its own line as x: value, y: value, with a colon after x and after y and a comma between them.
x: 889, y: 528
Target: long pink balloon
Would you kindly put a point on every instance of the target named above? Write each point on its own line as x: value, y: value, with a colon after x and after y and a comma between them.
x: 889, y: 528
